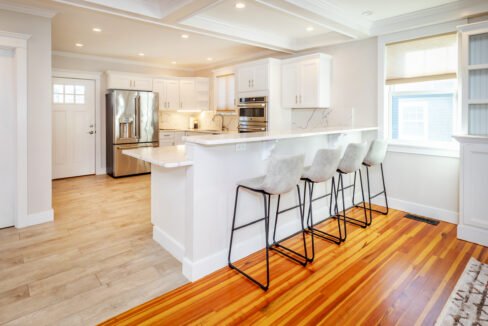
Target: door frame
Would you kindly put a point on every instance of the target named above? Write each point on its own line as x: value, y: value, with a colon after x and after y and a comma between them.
x: 99, y: 126
x: 18, y: 43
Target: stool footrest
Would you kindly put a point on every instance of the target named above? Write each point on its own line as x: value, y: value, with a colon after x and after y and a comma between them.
x: 250, y: 223
x: 276, y: 245
x: 324, y: 235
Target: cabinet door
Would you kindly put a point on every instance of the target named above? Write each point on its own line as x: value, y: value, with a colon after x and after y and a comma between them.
x: 172, y: 88
x: 308, y: 96
x: 119, y: 82
x: 187, y: 94
x: 244, y: 78
x: 142, y: 84
x: 259, y: 81
x: 179, y: 137
x: 289, y: 85
x: 159, y: 87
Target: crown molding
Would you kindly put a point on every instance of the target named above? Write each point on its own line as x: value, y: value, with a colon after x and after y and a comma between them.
x: 115, y: 60
x: 26, y: 9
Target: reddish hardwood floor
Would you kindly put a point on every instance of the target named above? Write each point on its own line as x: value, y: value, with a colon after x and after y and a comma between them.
x: 396, y: 272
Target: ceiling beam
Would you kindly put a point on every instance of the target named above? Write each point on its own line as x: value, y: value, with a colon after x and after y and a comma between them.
x: 322, y: 13
x: 189, y: 9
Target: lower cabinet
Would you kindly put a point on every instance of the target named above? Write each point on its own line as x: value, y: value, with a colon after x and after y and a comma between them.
x: 473, y: 220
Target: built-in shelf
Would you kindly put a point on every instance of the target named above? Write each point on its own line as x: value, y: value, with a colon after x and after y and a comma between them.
x: 479, y: 101
x: 478, y: 67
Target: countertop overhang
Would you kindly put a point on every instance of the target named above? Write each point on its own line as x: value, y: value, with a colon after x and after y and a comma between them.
x: 225, y: 139
x: 166, y: 157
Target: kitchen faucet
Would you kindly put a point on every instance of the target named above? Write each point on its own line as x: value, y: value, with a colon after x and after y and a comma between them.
x: 221, y: 119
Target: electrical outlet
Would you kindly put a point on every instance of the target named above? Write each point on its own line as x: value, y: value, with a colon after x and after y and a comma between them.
x: 240, y: 147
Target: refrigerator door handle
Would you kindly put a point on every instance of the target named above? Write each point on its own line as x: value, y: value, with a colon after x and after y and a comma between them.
x: 138, y: 117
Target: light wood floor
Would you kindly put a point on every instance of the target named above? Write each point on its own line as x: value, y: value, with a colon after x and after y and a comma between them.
x: 397, y: 272
x: 96, y: 260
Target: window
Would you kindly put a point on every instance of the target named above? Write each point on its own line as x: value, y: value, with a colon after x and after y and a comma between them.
x: 423, y: 112
x: 68, y: 94
x: 225, y: 92
x: 422, y: 88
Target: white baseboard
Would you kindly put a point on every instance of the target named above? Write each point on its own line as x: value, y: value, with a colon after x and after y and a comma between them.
x: 415, y: 208
x: 200, y: 268
x: 169, y: 243
x: 471, y: 234
x: 36, y: 218
x: 101, y: 171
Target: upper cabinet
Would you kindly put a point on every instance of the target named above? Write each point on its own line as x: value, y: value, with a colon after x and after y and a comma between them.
x: 117, y: 80
x: 252, y: 77
x: 169, y: 93
x: 473, y: 71
x: 184, y: 93
x: 305, y: 81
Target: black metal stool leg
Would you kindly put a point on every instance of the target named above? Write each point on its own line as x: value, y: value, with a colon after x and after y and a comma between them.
x: 370, y: 208
x: 311, y: 226
x: 348, y: 219
x: 368, y: 223
x: 277, y: 244
x: 266, y: 229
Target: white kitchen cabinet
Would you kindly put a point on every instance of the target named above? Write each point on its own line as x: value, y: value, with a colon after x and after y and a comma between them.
x: 128, y: 81
x: 166, y: 138
x: 473, y: 220
x: 169, y: 93
x: 305, y: 82
x: 187, y: 94
x: 179, y: 137
x: 252, y: 77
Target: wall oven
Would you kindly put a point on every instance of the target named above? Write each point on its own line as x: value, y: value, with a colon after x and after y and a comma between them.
x: 253, y: 114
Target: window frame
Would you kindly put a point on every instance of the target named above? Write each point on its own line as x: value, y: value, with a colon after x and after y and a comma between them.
x: 443, y: 150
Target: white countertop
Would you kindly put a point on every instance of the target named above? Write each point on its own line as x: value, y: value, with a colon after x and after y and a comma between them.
x: 166, y: 157
x: 203, y: 131
x: 234, y: 138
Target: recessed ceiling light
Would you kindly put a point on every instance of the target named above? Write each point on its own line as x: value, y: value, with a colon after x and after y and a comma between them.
x: 141, y: 54
x: 185, y: 36
x: 96, y: 29
x: 79, y: 45
x: 209, y: 59
x: 173, y: 62
x: 310, y: 29
x: 367, y: 13
x: 240, y: 5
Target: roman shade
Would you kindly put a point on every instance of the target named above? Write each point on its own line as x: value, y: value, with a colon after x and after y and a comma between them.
x: 423, y: 59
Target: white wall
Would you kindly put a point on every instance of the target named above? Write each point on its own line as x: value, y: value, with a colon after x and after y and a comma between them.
x: 7, y: 131
x: 39, y: 108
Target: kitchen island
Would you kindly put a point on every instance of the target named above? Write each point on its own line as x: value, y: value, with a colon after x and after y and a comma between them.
x: 193, y: 191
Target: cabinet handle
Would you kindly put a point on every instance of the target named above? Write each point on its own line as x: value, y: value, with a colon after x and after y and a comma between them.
x: 296, y: 99
x: 249, y: 83
x: 252, y: 83
x: 300, y: 97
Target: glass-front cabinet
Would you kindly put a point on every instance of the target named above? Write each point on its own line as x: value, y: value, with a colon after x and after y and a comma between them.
x: 473, y: 41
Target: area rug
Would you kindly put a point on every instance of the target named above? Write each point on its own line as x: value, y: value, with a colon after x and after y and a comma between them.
x: 468, y: 303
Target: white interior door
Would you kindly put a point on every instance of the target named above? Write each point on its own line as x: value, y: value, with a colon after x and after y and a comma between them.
x: 8, y: 136
x: 73, y: 127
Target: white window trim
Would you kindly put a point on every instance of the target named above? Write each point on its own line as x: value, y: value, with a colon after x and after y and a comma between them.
x: 447, y: 150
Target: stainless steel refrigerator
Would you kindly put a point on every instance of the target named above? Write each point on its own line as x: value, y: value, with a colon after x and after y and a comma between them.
x: 132, y: 122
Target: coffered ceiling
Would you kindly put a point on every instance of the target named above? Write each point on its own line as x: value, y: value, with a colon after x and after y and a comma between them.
x: 222, y: 31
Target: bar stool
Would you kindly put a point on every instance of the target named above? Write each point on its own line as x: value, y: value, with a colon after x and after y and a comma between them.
x: 376, y: 156
x: 323, y: 168
x: 281, y: 177
x: 351, y: 162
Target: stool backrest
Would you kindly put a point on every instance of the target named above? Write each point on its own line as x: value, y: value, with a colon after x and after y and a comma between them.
x: 283, y: 174
x: 353, y: 157
x: 377, y: 152
x: 324, y: 164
